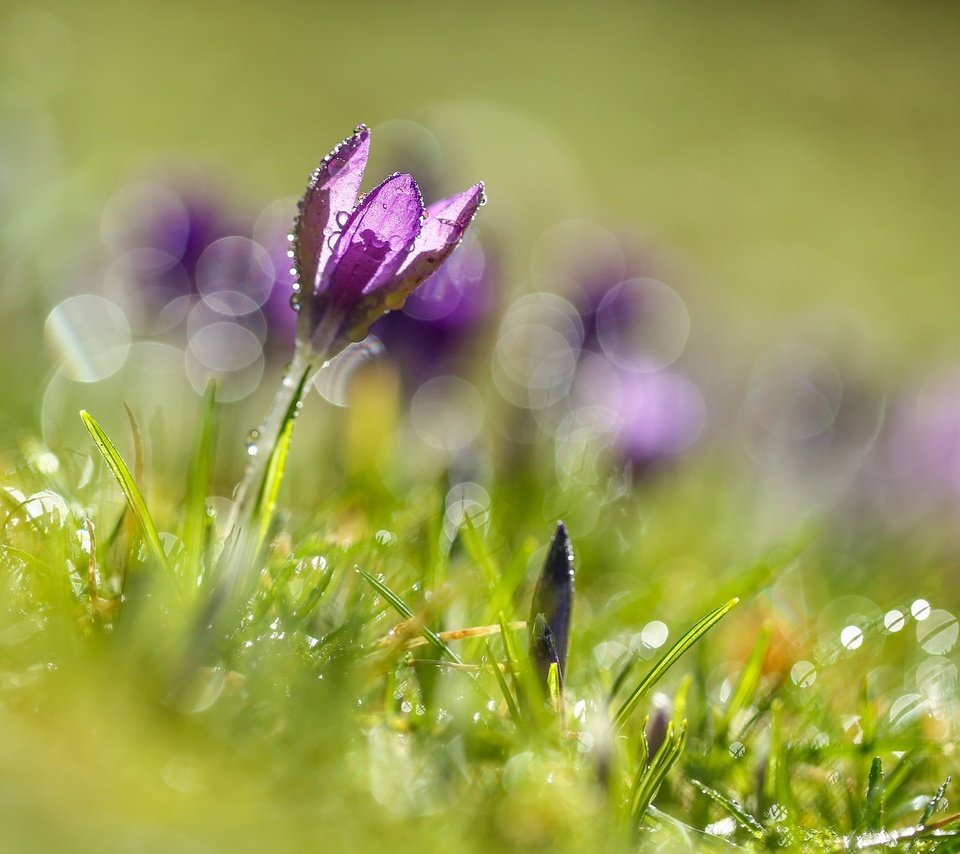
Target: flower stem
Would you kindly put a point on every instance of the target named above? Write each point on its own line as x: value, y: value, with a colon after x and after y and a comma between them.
x: 263, y: 440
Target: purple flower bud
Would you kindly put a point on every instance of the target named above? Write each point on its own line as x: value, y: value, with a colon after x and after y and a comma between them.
x: 552, y: 606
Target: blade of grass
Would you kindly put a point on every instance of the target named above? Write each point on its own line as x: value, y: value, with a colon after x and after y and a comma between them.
x: 512, y: 706
x: 734, y: 810
x: 697, y: 631
x: 933, y: 803
x: 129, y: 488
x: 195, y: 511
x: 401, y: 607
x: 873, y: 807
x: 651, y: 779
x: 747, y: 683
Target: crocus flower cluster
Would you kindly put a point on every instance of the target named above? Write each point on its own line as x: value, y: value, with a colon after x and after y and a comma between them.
x: 357, y: 258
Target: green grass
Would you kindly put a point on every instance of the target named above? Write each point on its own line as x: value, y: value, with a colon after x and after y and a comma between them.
x: 315, y: 713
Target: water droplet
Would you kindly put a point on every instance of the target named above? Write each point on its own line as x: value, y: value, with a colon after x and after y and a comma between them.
x: 851, y: 637
x: 252, y: 447
x: 894, y: 620
x: 920, y: 609
x: 332, y: 239
x: 296, y: 301
x: 737, y: 750
x: 777, y: 813
x: 385, y: 538
x: 803, y: 674
x: 341, y: 218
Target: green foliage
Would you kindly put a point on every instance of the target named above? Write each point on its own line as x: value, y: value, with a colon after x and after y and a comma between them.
x: 376, y: 670
x: 131, y: 491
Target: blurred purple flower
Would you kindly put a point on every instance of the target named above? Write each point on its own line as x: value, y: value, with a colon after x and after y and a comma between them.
x: 634, y: 328
x: 650, y: 417
x: 923, y: 445
x: 661, y: 415
x: 440, y: 321
x: 356, y: 259
x: 180, y: 244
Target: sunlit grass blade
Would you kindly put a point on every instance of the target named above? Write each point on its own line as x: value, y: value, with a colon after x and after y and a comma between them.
x: 675, y: 652
x: 195, y: 518
x: 401, y: 607
x: 897, y: 779
x: 512, y: 706
x: 139, y: 447
x: 129, y: 487
x: 470, y: 633
x: 934, y: 802
x: 26, y: 557
x: 651, y: 777
x: 747, y: 683
x: 509, y: 642
x: 873, y: 806
x: 734, y: 810
x: 776, y: 786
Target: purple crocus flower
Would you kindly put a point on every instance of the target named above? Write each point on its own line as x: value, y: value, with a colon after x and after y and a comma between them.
x: 356, y: 259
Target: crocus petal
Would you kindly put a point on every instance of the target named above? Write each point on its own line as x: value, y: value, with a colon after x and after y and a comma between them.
x: 376, y: 239
x: 331, y: 193
x: 446, y: 222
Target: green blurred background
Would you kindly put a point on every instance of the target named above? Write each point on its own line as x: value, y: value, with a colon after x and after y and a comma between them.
x: 801, y: 158
x: 796, y: 165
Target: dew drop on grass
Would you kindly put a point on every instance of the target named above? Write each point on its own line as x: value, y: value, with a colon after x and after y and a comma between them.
x: 803, y: 674
x: 894, y: 620
x: 385, y: 538
x: 777, y: 813
x: 938, y: 634
x: 737, y: 750
x: 851, y: 637
x: 253, y: 437
x: 920, y: 609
